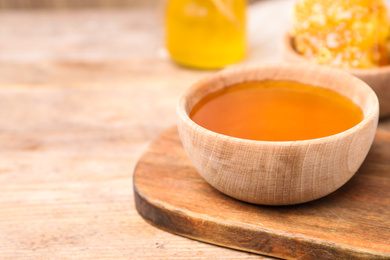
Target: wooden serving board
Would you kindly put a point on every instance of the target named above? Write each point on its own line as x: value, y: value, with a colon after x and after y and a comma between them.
x: 351, y: 223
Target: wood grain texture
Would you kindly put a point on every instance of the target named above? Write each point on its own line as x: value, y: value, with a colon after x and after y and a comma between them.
x: 351, y: 223
x: 79, y: 104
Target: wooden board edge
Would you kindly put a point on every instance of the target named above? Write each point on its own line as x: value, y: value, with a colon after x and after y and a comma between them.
x: 261, y: 241
x: 258, y: 241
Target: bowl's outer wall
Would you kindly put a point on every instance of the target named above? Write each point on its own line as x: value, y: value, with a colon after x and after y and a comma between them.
x: 276, y: 173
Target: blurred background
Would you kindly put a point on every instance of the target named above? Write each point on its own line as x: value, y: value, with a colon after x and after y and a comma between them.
x: 20, y: 4
x: 17, y: 4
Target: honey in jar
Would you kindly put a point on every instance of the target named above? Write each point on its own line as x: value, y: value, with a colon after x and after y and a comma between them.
x: 276, y: 111
x: 206, y: 34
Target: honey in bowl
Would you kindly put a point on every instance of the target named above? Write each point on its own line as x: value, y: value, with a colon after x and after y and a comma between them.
x: 276, y: 111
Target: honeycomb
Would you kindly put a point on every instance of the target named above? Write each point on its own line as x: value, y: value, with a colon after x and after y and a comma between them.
x: 342, y: 33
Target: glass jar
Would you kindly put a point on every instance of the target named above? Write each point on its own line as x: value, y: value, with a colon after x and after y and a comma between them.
x: 206, y: 34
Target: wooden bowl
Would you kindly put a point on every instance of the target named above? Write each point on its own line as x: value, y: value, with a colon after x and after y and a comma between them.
x: 272, y: 172
x: 377, y: 78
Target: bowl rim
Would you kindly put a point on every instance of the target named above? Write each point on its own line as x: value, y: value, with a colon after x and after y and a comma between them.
x: 373, y: 113
x: 288, y: 47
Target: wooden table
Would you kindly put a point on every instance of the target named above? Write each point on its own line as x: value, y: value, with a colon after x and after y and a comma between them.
x: 82, y: 95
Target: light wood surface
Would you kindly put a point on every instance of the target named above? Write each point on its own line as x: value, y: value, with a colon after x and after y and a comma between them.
x: 82, y: 95
x: 350, y: 223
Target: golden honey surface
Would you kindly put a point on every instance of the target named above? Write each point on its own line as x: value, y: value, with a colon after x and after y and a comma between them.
x: 276, y: 111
